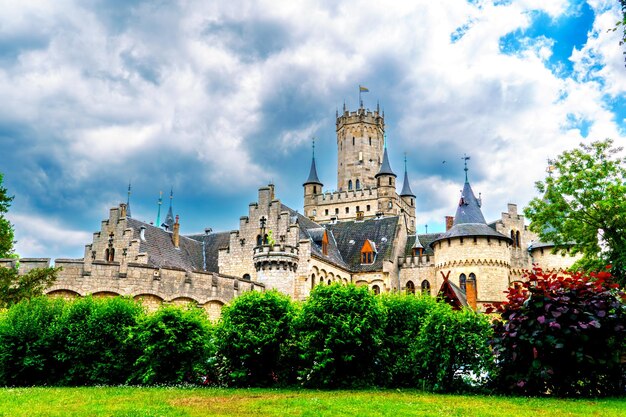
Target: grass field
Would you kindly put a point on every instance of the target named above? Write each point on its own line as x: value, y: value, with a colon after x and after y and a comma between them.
x: 128, y: 401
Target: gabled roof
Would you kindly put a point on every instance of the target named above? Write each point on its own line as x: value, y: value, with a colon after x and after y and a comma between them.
x: 385, y: 168
x: 452, y: 295
x: 350, y: 236
x: 213, y: 242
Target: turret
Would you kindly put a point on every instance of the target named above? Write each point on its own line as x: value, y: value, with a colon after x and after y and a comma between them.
x: 312, y: 187
x: 408, y: 198
x: 168, y: 224
x: 386, y: 183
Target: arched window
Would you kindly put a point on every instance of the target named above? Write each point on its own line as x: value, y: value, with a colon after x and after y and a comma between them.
x: 358, y: 184
x: 109, y: 255
x: 349, y: 185
x: 246, y: 277
x: 517, y: 239
x: 410, y: 288
x: 312, y: 280
x: 266, y: 239
x: 425, y: 287
x: 463, y: 281
x: 328, y: 282
x: 106, y: 255
x: 259, y: 240
x: 513, y: 237
x: 376, y: 289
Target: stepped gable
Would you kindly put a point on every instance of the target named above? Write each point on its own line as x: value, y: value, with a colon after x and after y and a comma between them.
x: 380, y: 231
x: 161, y: 251
x: 213, y: 242
x: 313, y: 231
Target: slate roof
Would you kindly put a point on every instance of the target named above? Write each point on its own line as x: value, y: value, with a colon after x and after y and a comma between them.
x: 424, y: 239
x: 313, y: 179
x: 213, y: 242
x: 381, y: 231
x: 161, y: 251
x: 385, y: 168
x: 406, y: 187
x: 469, y: 220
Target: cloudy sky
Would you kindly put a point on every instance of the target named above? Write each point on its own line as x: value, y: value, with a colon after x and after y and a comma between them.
x: 218, y: 98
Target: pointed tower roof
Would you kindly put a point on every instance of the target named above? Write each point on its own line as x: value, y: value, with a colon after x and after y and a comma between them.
x: 169, y: 219
x: 128, y: 202
x: 469, y: 219
x: 406, y: 187
x: 313, y: 179
x: 385, y: 168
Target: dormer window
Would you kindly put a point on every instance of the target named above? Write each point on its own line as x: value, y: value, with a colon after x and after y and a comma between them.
x: 368, y: 252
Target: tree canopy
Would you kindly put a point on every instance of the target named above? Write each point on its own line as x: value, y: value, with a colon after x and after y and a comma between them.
x: 583, y: 207
x: 6, y: 228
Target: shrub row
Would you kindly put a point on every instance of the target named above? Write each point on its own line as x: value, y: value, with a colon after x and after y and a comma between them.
x: 91, y: 341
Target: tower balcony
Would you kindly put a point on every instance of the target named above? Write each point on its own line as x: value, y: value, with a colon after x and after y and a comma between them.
x: 275, y: 257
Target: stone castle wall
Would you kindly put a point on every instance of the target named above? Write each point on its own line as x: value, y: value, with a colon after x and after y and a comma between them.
x: 551, y: 262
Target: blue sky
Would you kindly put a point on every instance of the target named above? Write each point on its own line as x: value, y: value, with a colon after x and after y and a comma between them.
x: 216, y: 99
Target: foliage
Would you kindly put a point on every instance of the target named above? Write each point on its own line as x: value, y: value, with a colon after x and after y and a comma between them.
x: 29, y: 341
x: 453, y: 349
x: 339, y: 333
x: 584, y: 208
x: 174, y: 343
x: 405, y: 314
x: 250, y: 338
x: 96, y: 348
x: 6, y: 229
x: 562, y: 334
x: 15, y: 287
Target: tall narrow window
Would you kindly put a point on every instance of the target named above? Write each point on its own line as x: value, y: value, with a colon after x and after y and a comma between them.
x: 513, y: 237
x: 349, y: 185
x: 425, y: 287
x: 315, y: 189
x: 336, y: 211
x: 259, y: 240
x: 370, y: 141
x: 463, y: 281
x: 517, y: 239
x: 347, y: 210
x: 358, y: 184
x: 390, y: 181
x: 352, y: 140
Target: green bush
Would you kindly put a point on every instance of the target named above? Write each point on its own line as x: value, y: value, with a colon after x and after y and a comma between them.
x: 30, y: 341
x: 339, y: 334
x: 562, y: 334
x: 250, y: 339
x: 405, y: 314
x: 174, y: 343
x: 452, y: 349
x: 96, y: 341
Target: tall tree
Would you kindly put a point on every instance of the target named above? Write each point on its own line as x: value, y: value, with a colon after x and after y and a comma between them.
x: 6, y: 228
x: 583, y: 207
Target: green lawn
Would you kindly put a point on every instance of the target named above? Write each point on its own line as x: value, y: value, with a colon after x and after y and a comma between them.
x: 127, y: 401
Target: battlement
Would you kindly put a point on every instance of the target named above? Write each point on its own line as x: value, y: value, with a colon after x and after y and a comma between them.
x: 333, y: 197
x: 361, y: 115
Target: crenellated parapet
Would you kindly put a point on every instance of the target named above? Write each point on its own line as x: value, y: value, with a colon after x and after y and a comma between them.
x: 277, y: 257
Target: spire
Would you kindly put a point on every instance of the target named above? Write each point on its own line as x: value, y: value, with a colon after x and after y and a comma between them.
x: 385, y: 168
x: 158, y: 219
x: 169, y: 219
x: 313, y: 179
x: 128, y: 201
x: 406, y: 187
x: 469, y: 207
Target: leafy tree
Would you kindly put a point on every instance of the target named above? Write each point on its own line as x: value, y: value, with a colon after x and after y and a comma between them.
x: 15, y: 287
x: 562, y: 334
x: 6, y: 229
x: 251, y: 338
x: 583, y: 207
x: 175, y: 346
x: 339, y: 331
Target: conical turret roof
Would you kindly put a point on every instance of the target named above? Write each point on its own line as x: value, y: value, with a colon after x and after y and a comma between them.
x: 385, y: 168
x: 313, y: 179
x: 406, y: 187
x: 169, y: 219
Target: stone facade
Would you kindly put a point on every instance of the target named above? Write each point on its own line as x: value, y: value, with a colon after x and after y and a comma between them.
x: 275, y: 247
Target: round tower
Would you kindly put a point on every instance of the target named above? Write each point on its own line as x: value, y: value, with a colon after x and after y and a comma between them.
x: 472, y: 255
x: 386, y: 184
x: 360, y: 142
x: 276, y: 266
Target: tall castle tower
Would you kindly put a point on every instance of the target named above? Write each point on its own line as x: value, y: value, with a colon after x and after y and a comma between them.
x: 360, y: 144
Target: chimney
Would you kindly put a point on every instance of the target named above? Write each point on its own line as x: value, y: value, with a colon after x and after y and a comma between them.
x: 175, y: 234
x: 449, y: 222
x: 470, y: 293
x: 142, y: 233
x: 122, y: 210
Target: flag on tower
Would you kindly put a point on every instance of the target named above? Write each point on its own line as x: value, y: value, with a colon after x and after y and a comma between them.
x: 363, y: 89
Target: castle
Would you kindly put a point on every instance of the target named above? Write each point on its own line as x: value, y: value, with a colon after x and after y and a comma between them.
x: 363, y: 233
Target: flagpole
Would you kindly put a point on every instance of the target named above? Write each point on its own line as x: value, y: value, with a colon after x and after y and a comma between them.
x: 360, y: 101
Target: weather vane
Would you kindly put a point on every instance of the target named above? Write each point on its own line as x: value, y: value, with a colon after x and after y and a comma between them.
x: 550, y: 168
x: 465, y: 158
